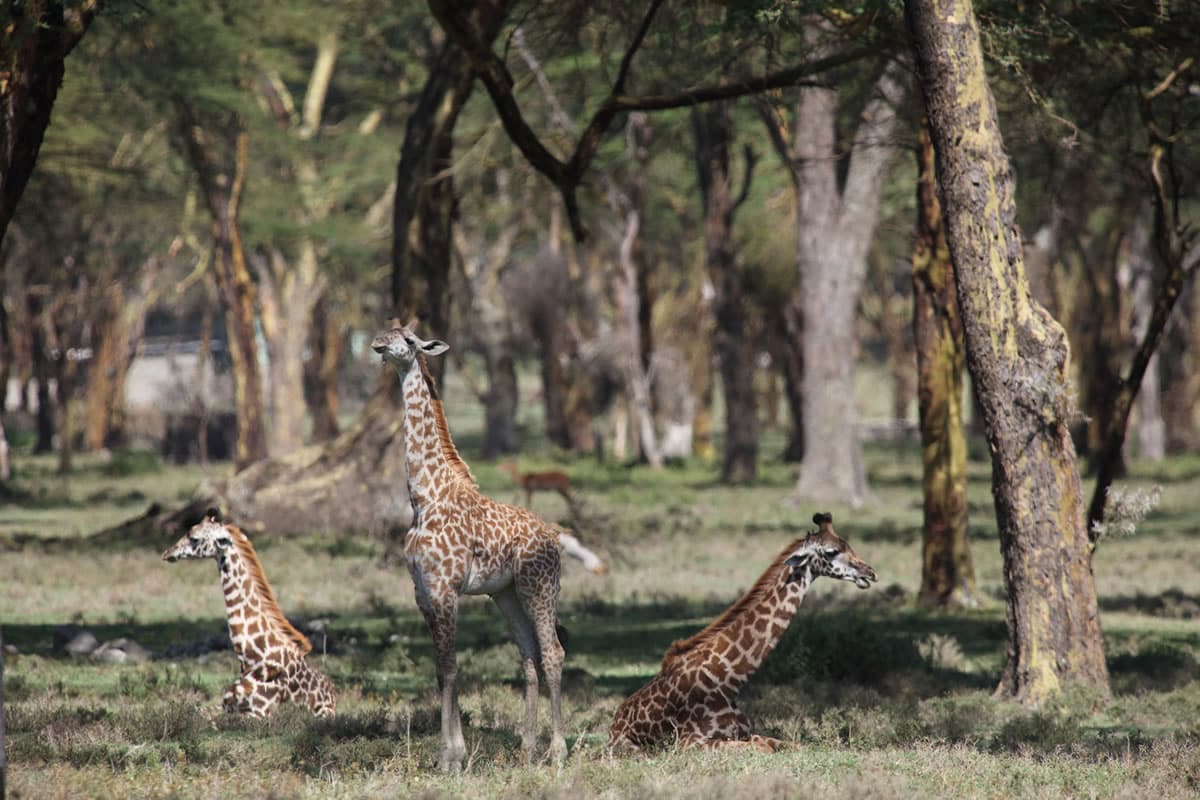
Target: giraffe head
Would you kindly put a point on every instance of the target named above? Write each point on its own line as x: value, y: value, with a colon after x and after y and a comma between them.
x: 825, y: 553
x: 209, y: 538
x: 401, y: 346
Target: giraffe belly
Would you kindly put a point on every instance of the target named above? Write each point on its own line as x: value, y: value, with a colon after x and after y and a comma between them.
x: 487, y: 578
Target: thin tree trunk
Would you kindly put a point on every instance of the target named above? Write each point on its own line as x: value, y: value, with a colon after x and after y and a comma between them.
x: 1018, y: 358
x: 791, y: 324
x: 736, y: 353
x: 41, y: 373
x: 1179, y: 262
x: 948, y: 571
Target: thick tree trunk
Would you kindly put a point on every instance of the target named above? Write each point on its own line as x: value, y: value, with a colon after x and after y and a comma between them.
x: 287, y: 294
x: 35, y: 38
x: 712, y: 127
x: 118, y: 330
x: 1151, y: 430
x: 1018, y: 357
x: 948, y: 572
x: 1181, y: 375
x: 835, y: 229
x: 500, y: 404
x: 321, y: 372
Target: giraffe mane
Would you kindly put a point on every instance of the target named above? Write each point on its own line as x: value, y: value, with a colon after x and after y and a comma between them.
x: 271, y: 611
x: 766, y: 582
x: 446, y: 444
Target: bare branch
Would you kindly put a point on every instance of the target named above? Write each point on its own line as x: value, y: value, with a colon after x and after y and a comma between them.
x: 751, y: 159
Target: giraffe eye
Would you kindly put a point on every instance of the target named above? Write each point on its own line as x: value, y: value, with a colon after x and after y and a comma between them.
x: 832, y: 553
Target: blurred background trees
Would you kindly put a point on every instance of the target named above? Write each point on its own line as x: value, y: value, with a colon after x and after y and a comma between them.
x: 664, y: 232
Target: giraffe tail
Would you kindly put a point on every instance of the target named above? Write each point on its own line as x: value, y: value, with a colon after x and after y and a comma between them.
x: 563, y: 635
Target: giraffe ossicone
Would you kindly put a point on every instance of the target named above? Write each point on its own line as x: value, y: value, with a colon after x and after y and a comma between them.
x: 271, y: 652
x: 693, y: 699
x: 462, y: 542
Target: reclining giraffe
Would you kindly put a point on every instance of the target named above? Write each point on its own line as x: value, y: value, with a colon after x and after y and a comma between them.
x: 693, y: 699
x: 271, y: 651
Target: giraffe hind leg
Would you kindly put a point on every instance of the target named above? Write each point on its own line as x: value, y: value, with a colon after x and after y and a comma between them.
x: 523, y: 631
x: 537, y: 586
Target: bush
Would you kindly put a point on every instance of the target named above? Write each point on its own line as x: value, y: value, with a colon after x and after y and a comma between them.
x: 126, y: 463
x: 844, y: 648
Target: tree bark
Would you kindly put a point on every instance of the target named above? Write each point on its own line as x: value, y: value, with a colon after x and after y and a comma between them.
x: 948, y: 571
x: 500, y: 405
x: 834, y: 231
x: 712, y: 128
x: 3, y: 730
x: 1018, y: 358
x: 35, y: 39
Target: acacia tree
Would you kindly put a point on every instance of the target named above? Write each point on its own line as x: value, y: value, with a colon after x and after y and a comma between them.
x: 1018, y: 357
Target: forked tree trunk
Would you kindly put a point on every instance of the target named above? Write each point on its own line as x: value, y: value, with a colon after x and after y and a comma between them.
x: 1018, y: 357
x: 947, y: 572
x: 712, y: 127
x: 222, y: 188
x: 834, y: 231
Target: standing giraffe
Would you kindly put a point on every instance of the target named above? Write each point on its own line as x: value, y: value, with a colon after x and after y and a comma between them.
x: 271, y: 651
x: 461, y: 543
x: 693, y: 699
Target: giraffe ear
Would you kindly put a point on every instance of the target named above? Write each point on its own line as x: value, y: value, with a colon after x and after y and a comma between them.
x: 434, y: 347
x: 799, y: 566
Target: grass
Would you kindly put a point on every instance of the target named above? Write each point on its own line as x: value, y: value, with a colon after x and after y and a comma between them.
x: 879, y: 698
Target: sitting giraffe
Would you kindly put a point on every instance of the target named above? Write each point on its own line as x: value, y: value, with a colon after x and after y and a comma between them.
x: 693, y: 699
x: 271, y: 651
x: 462, y: 542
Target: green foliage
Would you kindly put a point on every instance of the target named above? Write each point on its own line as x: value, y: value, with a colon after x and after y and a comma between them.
x: 127, y: 463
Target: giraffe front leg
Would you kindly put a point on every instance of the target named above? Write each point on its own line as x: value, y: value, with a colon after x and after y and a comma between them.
x: 441, y: 614
x: 254, y: 695
x: 522, y: 627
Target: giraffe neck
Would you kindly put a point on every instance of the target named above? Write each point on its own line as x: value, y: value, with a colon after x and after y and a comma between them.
x: 755, y: 632
x: 242, y: 605
x: 430, y: 456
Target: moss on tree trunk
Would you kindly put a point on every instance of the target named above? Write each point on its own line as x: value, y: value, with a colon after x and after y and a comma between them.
x: 1018, y: 357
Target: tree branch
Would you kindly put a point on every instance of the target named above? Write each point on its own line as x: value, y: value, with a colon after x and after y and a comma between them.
x: 567, y: 175
x: 751, y: 160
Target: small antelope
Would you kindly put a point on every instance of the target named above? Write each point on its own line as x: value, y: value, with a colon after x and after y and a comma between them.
x: 538, y: 481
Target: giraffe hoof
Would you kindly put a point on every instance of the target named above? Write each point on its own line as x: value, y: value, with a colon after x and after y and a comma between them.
x: 558, y: 750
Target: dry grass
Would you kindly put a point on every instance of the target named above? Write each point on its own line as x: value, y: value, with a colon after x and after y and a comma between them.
x: 881, y: 700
